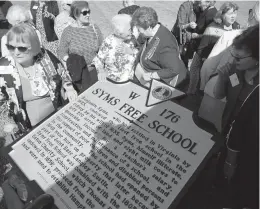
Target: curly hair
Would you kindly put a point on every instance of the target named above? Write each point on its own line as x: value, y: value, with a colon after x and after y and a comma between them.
x: 223, y: 10
x: 249, y: 40
x: 144, y: 17
x: 17, y: 14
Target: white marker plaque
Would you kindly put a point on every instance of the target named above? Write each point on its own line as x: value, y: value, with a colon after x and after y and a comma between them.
x: 108, y: 150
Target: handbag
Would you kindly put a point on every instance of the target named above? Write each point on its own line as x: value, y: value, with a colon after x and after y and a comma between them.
x: 17, y: 193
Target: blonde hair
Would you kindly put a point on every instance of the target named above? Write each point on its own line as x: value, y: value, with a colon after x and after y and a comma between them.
x: 17, y: 14
x: 25, y: 33
x: 121, y: 23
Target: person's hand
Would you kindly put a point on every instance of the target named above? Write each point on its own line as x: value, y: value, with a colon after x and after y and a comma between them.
x: 229, y: 170
x: 193, y: 25
x: 71, y: 94
x: 102, y: 76
x: 124, y: 49
x: 195, y: 35
x: 147, y: 76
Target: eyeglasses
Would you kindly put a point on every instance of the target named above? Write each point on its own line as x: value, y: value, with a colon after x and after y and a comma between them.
x: 69, y: 5
x: 21, y: 49
x: 84, y: 13
x: 236, y: 56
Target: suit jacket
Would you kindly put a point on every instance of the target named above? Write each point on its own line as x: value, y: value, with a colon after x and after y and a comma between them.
x: 162, y: 55
x: 244, y: 137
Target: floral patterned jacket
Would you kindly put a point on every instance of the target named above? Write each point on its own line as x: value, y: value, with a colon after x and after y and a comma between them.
x: 118, y: 66
x: 53, y: 73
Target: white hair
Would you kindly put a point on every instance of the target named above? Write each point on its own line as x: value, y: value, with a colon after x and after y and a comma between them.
x: 17, y: 14
x: 121, y: 23
x: 127, y: 3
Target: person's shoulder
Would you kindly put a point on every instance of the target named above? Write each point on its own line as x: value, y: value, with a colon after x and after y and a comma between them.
x: 165, y: 33
x: 214, y: 25
x: 167, y: 39
x: 45, y: 54
x: 95, y: 26
x: 62, y: 16
x: 70, y: 28
x: 236, y: 25
x: 212, y: 11
x: 231, y: 34
x: 186, y: 4
x: 4, y: 61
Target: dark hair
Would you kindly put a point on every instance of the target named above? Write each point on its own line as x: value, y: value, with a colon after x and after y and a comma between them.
x: 249, y: 40
x: 144, y: 17
x: 76, y: 7
x: 4, y: 92
x: 224, y: 9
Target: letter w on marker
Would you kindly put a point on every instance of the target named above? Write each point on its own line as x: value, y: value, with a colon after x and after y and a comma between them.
x: 133, y: 95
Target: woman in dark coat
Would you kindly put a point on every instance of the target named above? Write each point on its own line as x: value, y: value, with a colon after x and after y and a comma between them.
x: 244, y: 142
x: 160, y: 57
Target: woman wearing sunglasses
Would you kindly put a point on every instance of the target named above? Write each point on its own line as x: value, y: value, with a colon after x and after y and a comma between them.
x: 15, y: 15
x: 34, y: 77
x: 81, y: 38
x: 236, y: 81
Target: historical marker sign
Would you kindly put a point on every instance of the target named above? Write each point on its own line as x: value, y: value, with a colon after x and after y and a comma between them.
x: 109, y: 150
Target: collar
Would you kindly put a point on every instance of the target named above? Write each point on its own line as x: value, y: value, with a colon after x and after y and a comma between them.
x: 228, y: 28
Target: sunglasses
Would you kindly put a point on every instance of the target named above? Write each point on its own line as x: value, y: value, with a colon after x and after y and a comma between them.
x: 69, y: 5
x: 20, y: 48
x: 84, y: 13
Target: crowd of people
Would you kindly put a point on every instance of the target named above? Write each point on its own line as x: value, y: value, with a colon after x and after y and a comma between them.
x: 49, y: 57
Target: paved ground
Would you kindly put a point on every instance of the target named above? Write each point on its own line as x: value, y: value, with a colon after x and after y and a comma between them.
x: 203, y: 196
x: 103, y: 11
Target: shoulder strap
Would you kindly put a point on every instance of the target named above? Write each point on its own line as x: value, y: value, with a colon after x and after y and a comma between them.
x: 95, y: 32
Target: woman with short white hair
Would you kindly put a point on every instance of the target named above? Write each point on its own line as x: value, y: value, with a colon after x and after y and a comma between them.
x: 115, y: 59
x: 64, y: 19
x: 15, y: 15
